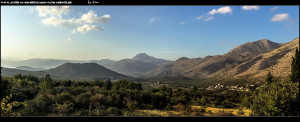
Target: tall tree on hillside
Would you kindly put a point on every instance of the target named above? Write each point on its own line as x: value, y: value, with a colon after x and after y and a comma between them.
x: 295, y: 76
x: 269, y: 78
x: 107, y: 84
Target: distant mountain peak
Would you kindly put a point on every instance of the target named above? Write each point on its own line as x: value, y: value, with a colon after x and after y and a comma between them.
x: 266, y: 42
x: 146, y: 58
x: 141, y: 56
x: 182, y: 58
x: 255, y: 47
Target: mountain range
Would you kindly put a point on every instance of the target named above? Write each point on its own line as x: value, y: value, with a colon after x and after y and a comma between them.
x: 46, y: 63
x: 72, y: 71
x: 252, y: 60
x: 136, y: 66
x: 249, y: 60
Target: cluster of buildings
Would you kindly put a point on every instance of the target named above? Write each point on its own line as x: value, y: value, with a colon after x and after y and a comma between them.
x: 246, y: 87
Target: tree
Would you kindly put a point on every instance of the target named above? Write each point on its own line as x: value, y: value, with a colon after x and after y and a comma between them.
x: 279, y: 98
x: 4, y: 87
x: 107, y: 85
x: 46, y: 85
x: 276, y: 99
x: 269, y: 78
x: 295, y: 67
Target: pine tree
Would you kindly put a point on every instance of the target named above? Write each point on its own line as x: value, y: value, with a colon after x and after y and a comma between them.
x: 295, y: 67
x: 269, y: 78
x: 107, y: 84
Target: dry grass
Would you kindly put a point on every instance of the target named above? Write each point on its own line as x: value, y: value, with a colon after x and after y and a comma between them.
x: 214, y: 112
x: 159, y: 112
x: 217, y: 111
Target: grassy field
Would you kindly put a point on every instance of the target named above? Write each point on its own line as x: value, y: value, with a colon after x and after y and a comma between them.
x: 209, y: 111
x: 216, y: 110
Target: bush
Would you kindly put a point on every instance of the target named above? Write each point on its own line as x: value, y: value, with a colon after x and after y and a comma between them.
x: 7, y: 106
x: 276, y: 99
x: 41, y: 105
x: 65, y: 108
x: 64, y: 97
x: 83, y: 100
x: 113, y: 111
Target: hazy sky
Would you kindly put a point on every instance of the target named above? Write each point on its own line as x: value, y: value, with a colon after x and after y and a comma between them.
x: 118, y: 32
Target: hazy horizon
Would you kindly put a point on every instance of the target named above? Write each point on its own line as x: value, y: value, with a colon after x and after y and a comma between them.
x: 121, y: 32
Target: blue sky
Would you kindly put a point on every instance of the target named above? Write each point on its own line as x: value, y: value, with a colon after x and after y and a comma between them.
x: 118, y: 32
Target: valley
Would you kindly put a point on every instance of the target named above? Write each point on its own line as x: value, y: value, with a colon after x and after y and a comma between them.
x: 249, y: 61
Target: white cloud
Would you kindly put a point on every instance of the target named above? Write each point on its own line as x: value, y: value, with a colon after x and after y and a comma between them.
x: 83, y: 24
x: 284, y: 17
x: 91, y: 17
x: 205, y: 17
x: 209, y: 18
x: 222, y: 10
x: 53, y: 10
x: 274, y: 8
x: 86, y: 28
x: 153, y: 19
x: 56, y: 21
x: 250, y: 7
x: 280, y: 17
x: 69, y: 39
x: 200, y: 17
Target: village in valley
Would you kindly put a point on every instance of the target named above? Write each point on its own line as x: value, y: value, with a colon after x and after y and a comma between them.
x: 244, y: 87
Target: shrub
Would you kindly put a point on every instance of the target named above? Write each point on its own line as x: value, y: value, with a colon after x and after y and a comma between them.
x: 64, y: 97
x: 64, y: 108
x: 276, y: 99
x: 83, y: 100
x: 41, y: 105
x: 113, y: 111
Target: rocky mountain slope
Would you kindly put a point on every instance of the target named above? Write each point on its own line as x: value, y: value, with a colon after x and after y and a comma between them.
x: 249, y: 59
x: 277, y: 61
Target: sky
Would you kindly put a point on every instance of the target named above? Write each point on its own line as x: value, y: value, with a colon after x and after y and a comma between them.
x: 119, y: 32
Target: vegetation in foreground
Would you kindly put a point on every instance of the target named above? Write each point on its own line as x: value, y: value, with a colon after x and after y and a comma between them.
x: 48, y: 97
